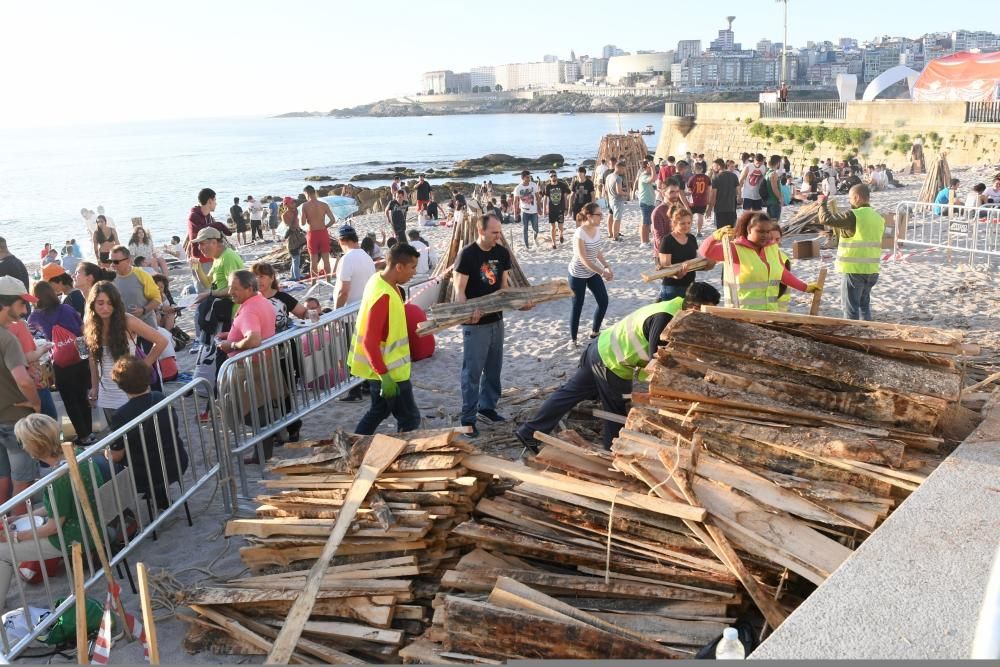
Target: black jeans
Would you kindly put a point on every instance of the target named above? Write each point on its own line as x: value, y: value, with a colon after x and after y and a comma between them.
x: 73, y: 382
x: 592, y: 380
x: 256, y: 230
x: 403, y: 407
x: 595, y: 284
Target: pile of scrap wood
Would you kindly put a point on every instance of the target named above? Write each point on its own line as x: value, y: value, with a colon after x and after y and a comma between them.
x: 937, y: 179
x: 806, y: 219
x: 446, y: 315
x: 377, y: 589
x: 629, y: 149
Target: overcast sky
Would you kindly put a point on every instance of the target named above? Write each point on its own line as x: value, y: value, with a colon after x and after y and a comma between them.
x: 105, y: 61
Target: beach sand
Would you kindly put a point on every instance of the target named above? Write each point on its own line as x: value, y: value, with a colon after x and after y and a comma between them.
x: 925, y: 290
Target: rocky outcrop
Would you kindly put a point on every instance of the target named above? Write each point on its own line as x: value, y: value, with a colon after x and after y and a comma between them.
x: 488, y: 164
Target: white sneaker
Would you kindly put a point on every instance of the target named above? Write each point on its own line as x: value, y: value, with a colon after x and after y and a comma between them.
x: 645, y: 245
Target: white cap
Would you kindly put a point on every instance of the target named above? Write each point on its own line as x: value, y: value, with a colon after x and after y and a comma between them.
x: 731, y: 633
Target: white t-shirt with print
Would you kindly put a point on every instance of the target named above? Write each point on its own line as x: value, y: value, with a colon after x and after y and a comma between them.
x: 527, y: 196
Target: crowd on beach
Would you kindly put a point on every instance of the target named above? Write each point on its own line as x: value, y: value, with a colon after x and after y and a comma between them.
x: 102, y: 333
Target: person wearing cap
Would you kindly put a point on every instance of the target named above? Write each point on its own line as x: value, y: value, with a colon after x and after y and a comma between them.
x: 225, y: 261
x: 50, y: 271
x: 295, y: 238
x: 526, y: 205
x: 18, y: 395
x: 353, y: 270
x: 199, y: 218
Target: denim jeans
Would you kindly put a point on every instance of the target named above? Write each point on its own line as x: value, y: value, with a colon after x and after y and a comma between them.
x: 297, y: 265
x: 403, y: 407
x: 647, y: 213
x: 482, y: 360
x: 668, y: 292
x: 592, y: 380
x: 855, y: 295
x: 774, y: 210
x: 48, y: 405
x: 529, y: 219
x: 595, y: 284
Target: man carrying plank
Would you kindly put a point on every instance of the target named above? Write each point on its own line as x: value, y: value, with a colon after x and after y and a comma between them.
x: 380, y: 351
x: 482, y: 268
x: 859, y: 252
x: 608, y: 365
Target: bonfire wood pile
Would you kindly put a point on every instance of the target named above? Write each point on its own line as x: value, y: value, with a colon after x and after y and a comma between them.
x: 399, y: 544
x: 630, y: 146
x: 938, y: 177
x: 446, y: 315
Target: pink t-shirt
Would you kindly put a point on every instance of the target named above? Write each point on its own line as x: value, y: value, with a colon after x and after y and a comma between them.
x: 255, y: 314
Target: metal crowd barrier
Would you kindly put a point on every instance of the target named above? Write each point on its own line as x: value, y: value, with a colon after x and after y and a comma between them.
x: 971, y: 232
x: 266, y: 389
x: 125, y: 516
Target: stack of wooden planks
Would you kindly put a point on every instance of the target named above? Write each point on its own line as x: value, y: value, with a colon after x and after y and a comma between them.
x: 446, y: 315
x: 378, y: 588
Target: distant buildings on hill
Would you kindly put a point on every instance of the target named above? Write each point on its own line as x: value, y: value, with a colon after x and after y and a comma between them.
x: 723, y: 64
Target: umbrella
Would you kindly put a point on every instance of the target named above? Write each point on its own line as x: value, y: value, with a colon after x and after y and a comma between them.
x: 342, y: 207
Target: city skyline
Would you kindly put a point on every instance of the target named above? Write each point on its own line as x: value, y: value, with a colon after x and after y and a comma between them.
x: 121, y: 61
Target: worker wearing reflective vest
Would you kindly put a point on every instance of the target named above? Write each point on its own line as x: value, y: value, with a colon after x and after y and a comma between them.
x: 380, y: 350
x: 758, y: 267
x: 608, y: 365
x: 859, y: 251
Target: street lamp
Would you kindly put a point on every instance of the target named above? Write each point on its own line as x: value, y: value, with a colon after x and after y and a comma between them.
x: 784, y: 46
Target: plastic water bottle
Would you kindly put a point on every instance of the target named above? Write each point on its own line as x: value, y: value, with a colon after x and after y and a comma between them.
x: 730, y: 648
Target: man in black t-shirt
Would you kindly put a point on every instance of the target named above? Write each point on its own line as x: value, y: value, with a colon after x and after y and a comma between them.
x: 722, y: 199
x: 395, y: 215
x: 581, y: 192
x: 236, y: 213
x: 556, y: 192
x: 423, y: 193
x: 482, y: 269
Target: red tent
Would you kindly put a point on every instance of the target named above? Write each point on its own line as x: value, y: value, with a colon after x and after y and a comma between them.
x: 962, y: 77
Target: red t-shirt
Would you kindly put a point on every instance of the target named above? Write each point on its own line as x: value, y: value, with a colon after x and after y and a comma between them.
x: 666, y: 171
x: 699, y: 185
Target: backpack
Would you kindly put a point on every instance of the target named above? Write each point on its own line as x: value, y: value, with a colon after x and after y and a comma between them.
x: 64, y: 350
x: 765, y: 187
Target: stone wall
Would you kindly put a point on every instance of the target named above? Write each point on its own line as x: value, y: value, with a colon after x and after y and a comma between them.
x: 889, y: 129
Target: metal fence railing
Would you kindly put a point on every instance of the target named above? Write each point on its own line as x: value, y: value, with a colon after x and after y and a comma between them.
x: 681, y: 109
x: 982, y: 112
x: 266, y: 389
x: 164, y: 456
x: 804, y: 110
x: 971, y: 233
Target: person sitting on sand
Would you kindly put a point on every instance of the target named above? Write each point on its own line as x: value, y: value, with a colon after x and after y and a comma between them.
x: 609, y: 363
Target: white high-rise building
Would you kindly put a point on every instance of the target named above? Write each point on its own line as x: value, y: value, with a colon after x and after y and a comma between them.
x: 483, y: 76
x: 687, y: 48
x: 521, y: 76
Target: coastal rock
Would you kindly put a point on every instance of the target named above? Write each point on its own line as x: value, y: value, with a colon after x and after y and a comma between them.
x: 319, y: 179
x: 497, y: 162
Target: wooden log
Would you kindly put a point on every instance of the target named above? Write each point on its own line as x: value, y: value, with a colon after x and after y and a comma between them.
x: 698, y: 264
x: 80, y: 595
x: 380, y: 455
x: 445, y: 316
x: 818, y: 295
x: 325, y: 653
x: 496, y: 466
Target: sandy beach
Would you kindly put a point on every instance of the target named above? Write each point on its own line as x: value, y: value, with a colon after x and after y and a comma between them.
x: 925, y: 289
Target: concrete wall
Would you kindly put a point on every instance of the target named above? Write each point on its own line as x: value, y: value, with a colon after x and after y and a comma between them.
x: 723, y: 130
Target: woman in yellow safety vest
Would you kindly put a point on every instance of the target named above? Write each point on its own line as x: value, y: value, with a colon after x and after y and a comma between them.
x: 757, y: 262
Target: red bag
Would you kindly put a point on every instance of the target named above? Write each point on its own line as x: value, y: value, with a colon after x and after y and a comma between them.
x: 64, y: 350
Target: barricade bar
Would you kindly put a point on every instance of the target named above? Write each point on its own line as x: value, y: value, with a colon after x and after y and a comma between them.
x: 973, y: 232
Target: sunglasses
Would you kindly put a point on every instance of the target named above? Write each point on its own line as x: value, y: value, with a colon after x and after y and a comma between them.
x: 116, y: 262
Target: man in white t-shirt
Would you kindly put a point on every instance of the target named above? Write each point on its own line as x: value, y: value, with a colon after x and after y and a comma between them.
x: 256, y: 219
x: 427, y: 255
x: 750, y: 179
x: 993, y: 193
x: 353, y: 270
x: 526, y: 205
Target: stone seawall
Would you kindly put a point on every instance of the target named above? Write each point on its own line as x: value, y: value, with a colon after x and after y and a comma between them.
x: 875, y: 132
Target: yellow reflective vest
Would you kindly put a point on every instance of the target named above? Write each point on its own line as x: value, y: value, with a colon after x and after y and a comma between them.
x: 758, y: 280
x: 862, y: 252
x: 395, y: 348
x: 624, y: 348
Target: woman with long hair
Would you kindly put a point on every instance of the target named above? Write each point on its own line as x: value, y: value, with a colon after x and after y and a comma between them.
x: 295, y: 238
x: 141, y: 245
x: 68, y: 293
x: 105, y: 238
x: 89, y: 274
x: 588, y: 270
x: 757, y: 262
x: 678, y: 247
x: 72, y: 375
x: 112, y: 333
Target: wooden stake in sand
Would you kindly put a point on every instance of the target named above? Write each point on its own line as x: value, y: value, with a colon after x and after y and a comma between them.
x: 818, y: 295
x: 80, y: 594
x: 729, y: 274
x: 380, y: 455
x: 148, y: 620
x: 88, y: 514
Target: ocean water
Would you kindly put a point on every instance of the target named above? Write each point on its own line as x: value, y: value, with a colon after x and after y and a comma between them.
x: 155, y: 169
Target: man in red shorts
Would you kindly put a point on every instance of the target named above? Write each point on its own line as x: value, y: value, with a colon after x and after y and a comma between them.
x: 423, y: 194
x: 317, y: 238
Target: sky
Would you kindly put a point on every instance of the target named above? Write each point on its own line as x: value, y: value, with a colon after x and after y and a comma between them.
x: 106, y: 61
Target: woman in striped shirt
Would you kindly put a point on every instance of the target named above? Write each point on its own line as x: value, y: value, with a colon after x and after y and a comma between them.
x: 588, y: 269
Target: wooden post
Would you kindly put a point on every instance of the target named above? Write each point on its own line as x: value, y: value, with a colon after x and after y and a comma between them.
x: 818, y: 296
x: 148, y: 622
x: 380, y: 455
x: 80, y: 595
x: 730, y: 285
x: 88, y: 514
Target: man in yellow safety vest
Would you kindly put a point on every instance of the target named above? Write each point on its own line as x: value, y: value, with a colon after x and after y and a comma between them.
x: 609, y: 364
x: 859, y: 252
x: 380, y: 351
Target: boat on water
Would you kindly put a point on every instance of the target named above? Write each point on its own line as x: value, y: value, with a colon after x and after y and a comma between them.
x: 646, y: 131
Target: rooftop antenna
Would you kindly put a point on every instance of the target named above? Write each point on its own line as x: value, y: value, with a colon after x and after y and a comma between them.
x: 730, y: 19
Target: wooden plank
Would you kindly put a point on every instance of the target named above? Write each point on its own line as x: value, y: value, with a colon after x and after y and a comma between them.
x: 669, y: 630
x: 382, y: 452
x: 80, y: 596
x: 148, y: 618
x: 496, y: 466
x: 341, y: 630
x: 817, y: 296
x: 325, y: 653
x: 242, y: 633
